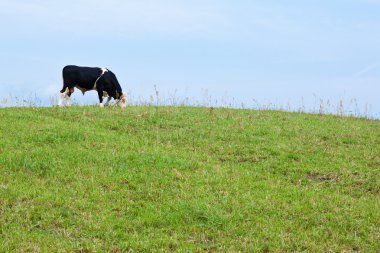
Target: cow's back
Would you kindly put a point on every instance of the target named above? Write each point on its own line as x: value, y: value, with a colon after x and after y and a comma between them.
x: 82, y: 76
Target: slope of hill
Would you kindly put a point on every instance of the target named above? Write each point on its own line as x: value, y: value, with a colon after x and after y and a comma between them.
x: 187, y: 179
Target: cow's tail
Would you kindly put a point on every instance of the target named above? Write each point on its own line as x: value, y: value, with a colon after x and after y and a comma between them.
x: 65, y: 91
x: 64, y: 87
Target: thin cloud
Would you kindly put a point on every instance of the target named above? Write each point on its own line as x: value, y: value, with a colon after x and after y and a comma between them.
x: 367, y: 69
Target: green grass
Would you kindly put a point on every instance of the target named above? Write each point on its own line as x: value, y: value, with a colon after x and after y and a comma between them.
x: 187, y: 179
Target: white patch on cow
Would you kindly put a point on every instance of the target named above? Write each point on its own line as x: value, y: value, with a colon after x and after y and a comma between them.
x: 62, y: 97
x: 104, y: 70
x: 68, y: 101
x: 101, y: 105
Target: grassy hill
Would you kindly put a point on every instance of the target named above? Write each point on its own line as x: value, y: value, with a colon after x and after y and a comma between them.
x: 187, y: 180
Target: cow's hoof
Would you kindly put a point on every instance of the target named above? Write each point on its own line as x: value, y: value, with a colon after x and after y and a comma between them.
x: 101, y: 105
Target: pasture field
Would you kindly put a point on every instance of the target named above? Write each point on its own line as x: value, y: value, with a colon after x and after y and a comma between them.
x: 185, y: 179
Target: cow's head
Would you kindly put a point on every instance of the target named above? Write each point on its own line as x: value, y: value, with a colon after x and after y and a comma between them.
x: 121, y: 100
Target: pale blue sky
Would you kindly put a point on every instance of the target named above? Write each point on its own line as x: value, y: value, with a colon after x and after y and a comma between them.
x: 272, y: 51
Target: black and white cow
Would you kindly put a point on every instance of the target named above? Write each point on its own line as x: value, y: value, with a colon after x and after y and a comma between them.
x: 85, y: 79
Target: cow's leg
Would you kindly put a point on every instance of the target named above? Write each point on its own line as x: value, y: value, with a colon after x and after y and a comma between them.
x: 108, y: 101
x: 68, y: 96
x: 62, y: 95
x: 100, y: 95
x: 68, y: 100
x: 105, y: 95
